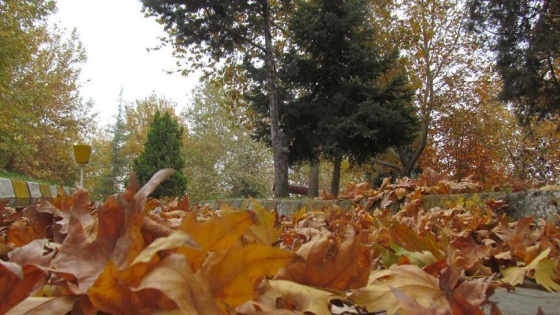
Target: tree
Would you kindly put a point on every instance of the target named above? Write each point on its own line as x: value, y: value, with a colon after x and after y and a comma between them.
x: 440, y: 58
x: 163, y: 150
x: 223, y: 30
x: 525, y: 37
x: 137, y: 118
x: 118, y: 159
x: 98, y: 178
x: 222, y: 160
x: 349, y: 101
x: 41, y: 111
x: 473, y: 139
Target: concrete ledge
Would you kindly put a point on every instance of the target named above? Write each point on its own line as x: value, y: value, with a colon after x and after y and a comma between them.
x: 22, y: 194
x: 286, y: 207
x: 54, y: 190
x: 45, y: 191
x: 23, y: 197
x: 541, y: 203
x: 34, y: 191
x: 7, y: 191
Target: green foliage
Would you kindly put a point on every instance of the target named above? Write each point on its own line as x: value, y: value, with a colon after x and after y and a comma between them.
x: 41, y: 112
x: 525, y: 36
x: 222, y: 160
x: 342, y: 96
x: 118, y: 160
x: 163, y: 150
x: 216, y: 31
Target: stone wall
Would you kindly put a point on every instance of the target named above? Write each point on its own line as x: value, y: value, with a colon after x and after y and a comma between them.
x: 542, y: 203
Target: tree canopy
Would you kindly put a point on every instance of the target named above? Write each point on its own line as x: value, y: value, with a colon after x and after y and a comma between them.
x: 223, y: 31
x: 525, y: 37
x: 163, y: 149
x: 348, y: 99
x: 41, y: 112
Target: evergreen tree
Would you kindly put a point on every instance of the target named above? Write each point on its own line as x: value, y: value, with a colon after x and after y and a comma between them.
x: 525, y: 37
x: 221, y: 31
x: 118, y: 161
x: 343, y: 97
x: 163, y: 150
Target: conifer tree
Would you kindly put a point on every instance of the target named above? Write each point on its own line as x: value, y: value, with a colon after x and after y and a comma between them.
x: 118, y: 161
x: 163, y: 150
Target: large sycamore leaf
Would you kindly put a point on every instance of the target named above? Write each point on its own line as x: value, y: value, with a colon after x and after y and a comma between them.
x: 116, y: 235
x: 408, y: 279
x: 267, y: 230
x: 470, y: 251
x: 326, y: 263
x: 218, y: 233
x: 45, y: 305
x: 113, y: 291
x: 544, y: 271
x: 39, y: 253
x: 174, y: 278
x: 305, y: 299
x: 81, y: 256
x: 516, y: 237
x: 234, y: 274
x: 16, y: 283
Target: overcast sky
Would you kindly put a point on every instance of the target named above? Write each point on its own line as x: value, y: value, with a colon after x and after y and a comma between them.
x: 115, y: 35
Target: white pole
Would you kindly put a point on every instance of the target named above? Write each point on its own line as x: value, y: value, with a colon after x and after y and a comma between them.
x: 81, y: 176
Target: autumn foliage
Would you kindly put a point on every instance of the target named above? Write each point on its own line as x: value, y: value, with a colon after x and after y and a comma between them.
x: 134, y: 255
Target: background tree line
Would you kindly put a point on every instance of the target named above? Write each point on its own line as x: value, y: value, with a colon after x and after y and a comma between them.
x: 465, y: 90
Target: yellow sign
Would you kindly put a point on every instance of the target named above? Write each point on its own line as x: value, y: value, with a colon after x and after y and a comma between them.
x: 82, y: 153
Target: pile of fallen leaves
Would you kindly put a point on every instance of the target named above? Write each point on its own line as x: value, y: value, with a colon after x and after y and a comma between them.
x: 134, y: 255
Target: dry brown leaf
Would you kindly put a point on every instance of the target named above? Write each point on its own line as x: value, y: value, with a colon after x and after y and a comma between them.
x: 410, y: 279
x: 329, y: 264
x: 305, y: 299
x: 17, y: 283
x: 174, y: 278
x: 218, y: 233
x: 234, y: 274
x: 44, y: 305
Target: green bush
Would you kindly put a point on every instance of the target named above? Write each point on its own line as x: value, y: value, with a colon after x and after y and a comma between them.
x: 163, y: 150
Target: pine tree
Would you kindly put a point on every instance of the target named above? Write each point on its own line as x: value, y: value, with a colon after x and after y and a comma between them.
x: 163, y: 150
x: 118, y: 161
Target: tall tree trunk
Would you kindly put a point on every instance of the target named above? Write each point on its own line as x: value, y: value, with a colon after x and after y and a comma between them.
x: 279, y: 140
x: 313, y: 185
x: 335, y: 184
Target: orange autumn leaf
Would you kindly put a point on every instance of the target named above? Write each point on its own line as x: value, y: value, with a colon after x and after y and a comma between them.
x: 410, y: 279
x: 174, y: 278
x: 111, y: 294
x: 114, y: 290
x: 324, y: 262
x: 16, y: 283
x: 516, y: 237
x: 234, y: 274
x: 306, y: 299
x: 24, y: 231
x: 116, y: 236
x: 470, y: 251
x: 217, y: 233
x: 267, y: 229
x: 45, y: 305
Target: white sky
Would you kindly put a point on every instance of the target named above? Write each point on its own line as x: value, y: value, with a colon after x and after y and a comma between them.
x: 115, y: 35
